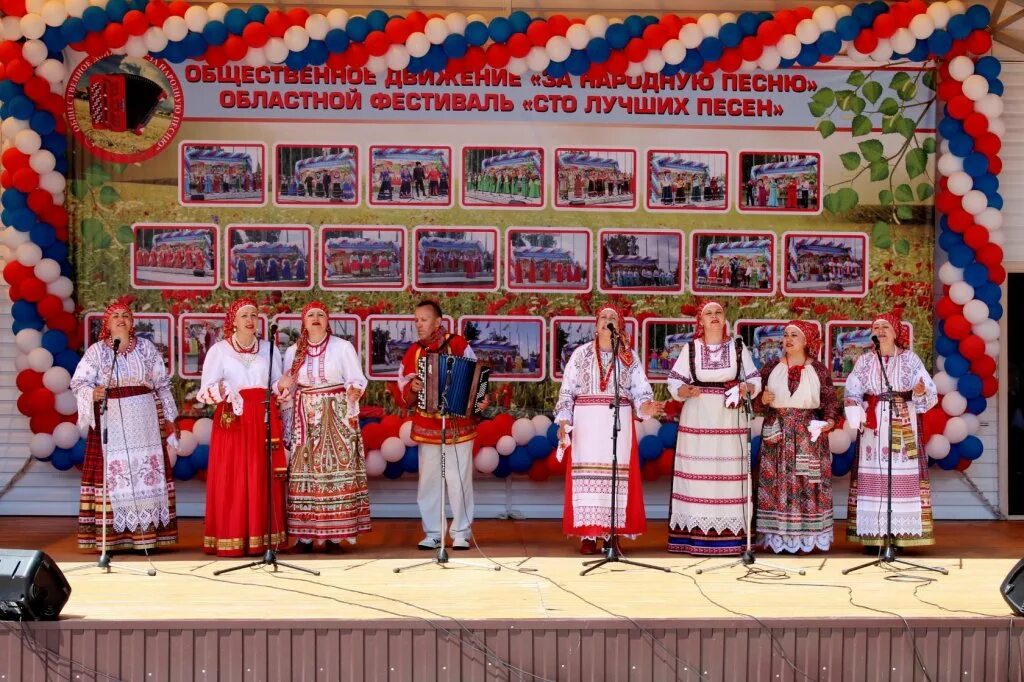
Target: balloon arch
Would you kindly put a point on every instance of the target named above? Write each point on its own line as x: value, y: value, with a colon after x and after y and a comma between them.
x: 36, y: 33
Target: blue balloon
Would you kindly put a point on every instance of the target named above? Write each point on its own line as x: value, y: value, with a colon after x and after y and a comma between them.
x: 54, y: 341
x: 975, y: 274
x: 961, y: 145
x: 970, y: 448
x: 316, y: 52
x: 748, y: 23
x: 477, y: 33
x: 969, y: 385
x: 920, y: 51
x: 201, y: 457
x: 94, y: 18
x: 257, y: 13
x: 57, y: 251
x: 945, y: 346
x: 671, y: 69
x: 12, y: 198
x: 848, y: 28
x: 650, y: 448
x: 22, y: 219
x: 730, y: 35
x: 553, y: 435
x: 411, y: 460
x: 959, y: 27
x: 617, y: 36
x: 416, y: 65
x: 183, y: 469
x: 336, y: 40
x: 786, y: 63
x: 295, y: 61
x: 556, y: 69
x: 987, y: 183
x: 24, y: 311
x: 42, y: 234
x: 598, y: 50
x: 9, y: 90
x: 978, y: 15
x: 988, y: 292
x: 116, y: 9
x: 961, y: 255
x: 504, y: 468
x: 635, y: 25
x: 61, y: 459
x: 949, y: 127
x: 500, y: 29
x: 949, y: 462
x: 995, y: 310
x: 710, y: 49
x: 43, y: 122
x: 174, y: 53
x: 236, y: 20
x: 454, y: 45
x: 21, y: 107
x: 863, y: 14
x: 78, y: 452
x: 808, y: 56
x: 577, y: 64
x: 841, y: 464
x: 393, y: 470
x: 29, y: 324
x: 949, y: 240
x: 879, y: 7
x: 520, y: 21
x: 215, y: 32
x: 668, y: 434
x: 538, y: 447
x: 956, y: 365
x: 996, y: 87
x: 940, y: 42
x: 692, y: 62
x: 650, y: 20
x: 989, y: 67
x: 520, y: 460
x: 68, y: 359
x: 377, y: 19
x: 194, y: 44
x: 436, y: 58
x: 54, y: 40
x: 977, y: 405
x: 829, y: 43
x: 995, y: 202
x: 358, y: 28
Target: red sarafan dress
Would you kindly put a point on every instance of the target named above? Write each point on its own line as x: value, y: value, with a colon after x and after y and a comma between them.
x: 235, y: 380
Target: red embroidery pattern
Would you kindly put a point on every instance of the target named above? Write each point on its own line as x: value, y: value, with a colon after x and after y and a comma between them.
x: 711, y: 432
x: 709, y: 500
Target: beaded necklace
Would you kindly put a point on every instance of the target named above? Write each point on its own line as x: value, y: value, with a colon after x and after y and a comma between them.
x: 246, y: 354
x: 603, y: 375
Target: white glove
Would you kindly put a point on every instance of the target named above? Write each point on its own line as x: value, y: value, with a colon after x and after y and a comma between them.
x: 815, y: 428
x: 732, y: 396
x: 855, y: 416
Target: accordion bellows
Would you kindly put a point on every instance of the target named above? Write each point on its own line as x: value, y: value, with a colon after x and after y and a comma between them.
x: 122, y: 102
x: 451, y: 385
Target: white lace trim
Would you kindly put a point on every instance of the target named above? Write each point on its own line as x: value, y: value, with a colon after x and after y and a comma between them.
x: 796, y: 543
x: 128, y: 519
x: 706, y: 524
x: 905, y: 524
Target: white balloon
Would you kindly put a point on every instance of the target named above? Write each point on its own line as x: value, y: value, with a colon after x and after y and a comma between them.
x: 456, y: 22
x: 537, y: 59
x: 61, y: 288
x: 997, y: 237
x: 541, y: 424
x: 558, y: 48
x: 993, y: 349
x: 203, y: 430
x: 255, y: 56
x: 14, y: 238
x: 486, y: 460
x: 997, y: 127
x: 377, y: 65
x: 175, y: 27
x: 972, y: 421
x: 28, y: 141
x: 505, y: 445
x: 392, y: 449
x: 854, y: 54
x: 296, y: 38
x: 839, y: 441
x: 944, y: 147
x: 40, y: 359
x: 991, y: 106
x: 991, y: 218
x: 68, y: 305
x: 691, y: 36
x: 882, y: 52
x: 32, y: 26
x: 34, y: 52
x: 988, y: 330
x: 28, y: 339
x: 937, y: 446
x: 949, y: 164
x: 960, y: 183
x: 476, y: 17
x: 47, y: 270
x: 807, y: 32
x: 975, y: 87
x: 12, y: 126
x: 136, y: 47
x: 954, y: 404
x: 41, y: 446
x: 29, y: 254
x: 53, y: 72
x: 276, y: 51
x: 397, y: 57
x: 944, y: 383
x: 156, y: 38
x: 375, y: 462
x: 65, y: 435
x: 748, y: 66
x: 975, y: 311
x: 597, y: 25
x: 56, y: 379
x: 54, y: 183
x: 187, y: 443
x: 789, y: 46
x: 635, y: 69
x: 54, y: 13
x: 317, y: 26
x: 436, y: 30
x: 710, y: 25
x: 756, y: 426
x: 337, y: 18
x: 217, y: 11
x: 196, y: 19
x: 10, y: 28
x: 578, y: 36
x: 903, y: 41
x: 949, y: 274
x: 66, y: 403
x: 825, y: 17
x: 654, y: 62
x: 517, y: 66
x: 956, y: 430
x: 922, y: 26
x: 418, y: 44
x: 842, y: 11
x: 727, y: 18
x: 939, y: 13
x: 76, y: 8
x: 940, y: 363
x: 523, y: 430
x: 975, y: 202
x: 961, y: 292
x: 770, y: 59
x: 405, y: 433
x: 961, y: 67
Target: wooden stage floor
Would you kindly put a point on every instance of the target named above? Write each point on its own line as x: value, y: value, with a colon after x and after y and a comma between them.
x: 869, y: 625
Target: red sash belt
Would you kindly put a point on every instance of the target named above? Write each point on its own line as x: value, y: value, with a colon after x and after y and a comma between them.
x: 871, y: 421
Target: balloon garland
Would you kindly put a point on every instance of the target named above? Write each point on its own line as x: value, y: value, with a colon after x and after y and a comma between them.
x: 33, y: 167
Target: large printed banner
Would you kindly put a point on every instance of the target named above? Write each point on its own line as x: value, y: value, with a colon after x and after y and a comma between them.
x: 520, y: 203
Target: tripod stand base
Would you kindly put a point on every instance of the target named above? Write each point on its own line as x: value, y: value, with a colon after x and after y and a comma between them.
x: 441, y: 559
x: 749, y: 559
x: 104, y: 564
x: 612, y: 555
x: 269, y: 559
x: 888, y: 556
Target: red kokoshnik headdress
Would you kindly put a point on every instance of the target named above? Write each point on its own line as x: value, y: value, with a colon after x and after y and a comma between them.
x: 229, y: 319
x: 114, y: 307
x: 626, y: 345
x: 302, y: 349
x: 902, y: 331
x: 812, y: 337
x: 700, y: 314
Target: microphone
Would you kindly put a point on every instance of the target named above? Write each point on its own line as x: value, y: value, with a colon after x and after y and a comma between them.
x: 273, y: 331
x: 739, y: 363
x: 875, y: 341
x: 117, y: 344
x: 611, y: 327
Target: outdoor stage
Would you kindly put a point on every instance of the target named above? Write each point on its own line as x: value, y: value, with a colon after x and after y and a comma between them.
x: 536, y: 618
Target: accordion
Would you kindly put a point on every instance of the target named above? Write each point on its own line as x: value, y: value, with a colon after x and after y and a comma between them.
x: 451, y: 385
x: 122, y: 102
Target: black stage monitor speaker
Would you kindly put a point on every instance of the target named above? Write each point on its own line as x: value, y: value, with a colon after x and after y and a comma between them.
x: 31, y: 586
x: 1013, y: 588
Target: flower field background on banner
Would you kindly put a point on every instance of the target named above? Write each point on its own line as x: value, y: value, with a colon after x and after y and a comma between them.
x: 36, y: 34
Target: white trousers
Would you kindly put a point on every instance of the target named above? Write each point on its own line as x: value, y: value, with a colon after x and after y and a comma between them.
x: 458, y: 474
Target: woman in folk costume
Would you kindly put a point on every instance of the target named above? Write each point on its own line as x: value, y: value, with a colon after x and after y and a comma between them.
x: 800, y: 407
x: 706, y: 515
x: 914, y: 393
x: 138, y: 505
x: 234, y: 379
x: 327, y: 494
x: 587, y: 391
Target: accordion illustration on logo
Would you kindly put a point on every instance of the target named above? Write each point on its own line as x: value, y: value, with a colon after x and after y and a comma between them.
x: 122, y: 102
x: 451, y: 385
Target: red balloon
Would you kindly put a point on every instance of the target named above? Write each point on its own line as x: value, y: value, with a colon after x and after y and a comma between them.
x: 960, y: 107
x: 984, y: 366
x: 357, y: 55
x: 504, y: 423
x: 179, y: 7
x: 40, y: 400
x: 751, y: 49
x: 949, y: 89
x: 9, y: 51
x: 15, y: 272
x: 235, y: 48
x: 157, y: 12
x: 957, y: 327
x: 50, y: 306
x: 617, y: 63
x: 995, y: 165
x: 538, y: 32
x: 787, y: 20
x: 95, y: 45
x: 416, y: 21
x: 297, y: 16
x: 963, y: 464
x: 216, y: 55
x: 990, y: 255
x: 373, y: 436
x: 44, y: 423
x: 539, y: 471
x: 22, y: 404
x: 115, y: 36
x: 866, y: 42
x: 709, y: 67
x: 475, y: 59
x: 957, y: 218
x: 29, y: 380
x: 65, y: 322
x: 988, y: 144
x: 519, y: 45
x: 769, y: 33
x: 497, y: 55
x: 597, y: 71
x: 979, y: 42
x: 554, y: 466
x: 14, y: 160
x: 655, y: 36
x: 32, y: 289
x: 997, y: 274
x: 558, y: 24
x: 391, y: 425
x: 14, y: 292
x: 37, y: 89
x: 885, y: 25
x: 972, y: 347
x: 731, y: 60
x: 277, y: 23
x: 976, y: 236
x: 135, y: 22
x: 934, y: 421
x: 377, y: 43
x: 255, y: 34
x: 946, y: 308
x: 650, y: 472
x: 672, y: 23
x: 19, y: 70
x: 976, y: 124
x: 989, y: 386
x: 666, y: 463
x: 802, y: 13
x: 635, y: 50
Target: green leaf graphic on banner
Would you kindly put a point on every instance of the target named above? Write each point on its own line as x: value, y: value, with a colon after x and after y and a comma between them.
x: 856, y: 78
x: 102, y: 240
x: 928, y: 144
x: 96, y: 175
x: 904, y: 193
x: 929, y: 79
x: 916, y: 162
x: 907, y: 91
x: 880, y: 238
x: 902, y: 247
x: 904, y: 212
x: 817, y: 109
x: 846, y: 199
x: 825, y: 96
x: 872, y: 91
x: 826, y: 128
x: 861, y: 126
x: 879, y: 170
x: 91, y: 229
x: 109, y: 195
x: 857, y: 105
x: 924, y: 191
x: 850, y: 160
x: 871, y: 149
x: 888, y: 123
x: 885, y: 197
x: 830, y: 202
x: 889, y: 107
x: 843, y: 98
x: 125, y: 234
x: 898, y: 80
x: 79, y: 188
x: 906, y: 127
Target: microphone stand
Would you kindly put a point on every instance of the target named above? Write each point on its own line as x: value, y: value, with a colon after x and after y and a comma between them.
x: 441, y: 557
x: 270, y: 555
x: 612, y: 553
x: 888, y: 555
x: 748, y: 557
x: 104, y: 561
